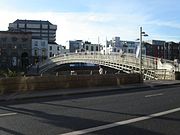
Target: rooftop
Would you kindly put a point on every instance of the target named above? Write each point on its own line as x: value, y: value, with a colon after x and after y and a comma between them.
x: 32, y: 21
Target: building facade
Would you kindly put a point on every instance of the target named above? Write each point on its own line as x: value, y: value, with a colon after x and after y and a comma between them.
x: 40, y: 29
x: 116, y: 46
x: 39, y: 50
x: 172, y: 51
x: 115, y: 42
x: 81, y: 46
x: 162, y: 49
x: 75, y: 45
x: 55, y: 49
x: 64, y: 50
x: 155, y: 48
x: 15, y: 49
x: 89, y: 47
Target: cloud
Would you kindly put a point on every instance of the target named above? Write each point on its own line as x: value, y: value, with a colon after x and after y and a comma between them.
x: 81, y: 25
x: 172, y: 24
x: 88, y: 25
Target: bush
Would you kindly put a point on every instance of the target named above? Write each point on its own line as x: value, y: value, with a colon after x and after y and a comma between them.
x: 8, y: 73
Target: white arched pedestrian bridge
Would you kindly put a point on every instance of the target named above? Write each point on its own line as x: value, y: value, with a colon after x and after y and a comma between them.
x: 152, y: 68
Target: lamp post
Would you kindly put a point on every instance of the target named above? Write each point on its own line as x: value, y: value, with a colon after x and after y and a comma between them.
x: 142, y: 33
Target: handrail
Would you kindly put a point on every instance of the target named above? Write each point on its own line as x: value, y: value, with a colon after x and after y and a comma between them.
x: 126, y: 62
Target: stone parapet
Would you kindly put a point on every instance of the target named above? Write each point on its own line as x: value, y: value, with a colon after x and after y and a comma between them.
x: 22, y: 84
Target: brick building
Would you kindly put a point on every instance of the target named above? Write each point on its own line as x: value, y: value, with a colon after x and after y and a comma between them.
x: 15, y: 49
x: 162, y: 49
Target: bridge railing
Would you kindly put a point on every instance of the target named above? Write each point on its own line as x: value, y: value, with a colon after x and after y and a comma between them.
x: 123, y: 59
x: 126, y: 62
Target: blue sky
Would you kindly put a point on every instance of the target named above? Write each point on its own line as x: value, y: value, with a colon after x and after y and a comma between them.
x: 90, y: 19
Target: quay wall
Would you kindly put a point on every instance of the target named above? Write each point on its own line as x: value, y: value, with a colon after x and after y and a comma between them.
x: 33, y: 83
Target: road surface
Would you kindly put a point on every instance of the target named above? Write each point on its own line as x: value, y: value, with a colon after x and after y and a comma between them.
x: 151, y: 112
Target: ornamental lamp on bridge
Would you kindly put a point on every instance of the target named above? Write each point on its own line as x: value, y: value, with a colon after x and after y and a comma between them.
x: 142, y: 33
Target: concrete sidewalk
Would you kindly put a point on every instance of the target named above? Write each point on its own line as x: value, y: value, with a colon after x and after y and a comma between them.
x: 62, y: 92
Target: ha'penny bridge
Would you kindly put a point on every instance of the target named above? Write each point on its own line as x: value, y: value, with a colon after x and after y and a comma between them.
x: 152, y: 68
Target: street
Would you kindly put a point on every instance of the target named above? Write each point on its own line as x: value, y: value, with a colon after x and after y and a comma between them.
x: 151, y: 112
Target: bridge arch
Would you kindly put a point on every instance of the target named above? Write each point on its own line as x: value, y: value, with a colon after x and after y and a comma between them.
x: 152, y: 68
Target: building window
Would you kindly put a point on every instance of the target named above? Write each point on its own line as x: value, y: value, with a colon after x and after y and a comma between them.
x: 15, y: 47
x: 50, y: 47
x: 4, y: 46
x: 36, y: 43
x: 23, y: 46
x: 43, y: 52
x: 87, y: 48
x: 97, y: 48
x: 24, y: 39
x: 92, y: 48
x: 43, y: 43
x: 58, y: 48
x: 4, y: 39
x: 50, y: 54
x: 35, y: 52
x: 14, y: 39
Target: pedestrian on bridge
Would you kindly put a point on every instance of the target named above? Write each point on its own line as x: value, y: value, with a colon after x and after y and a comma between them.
x: 100, y: 70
